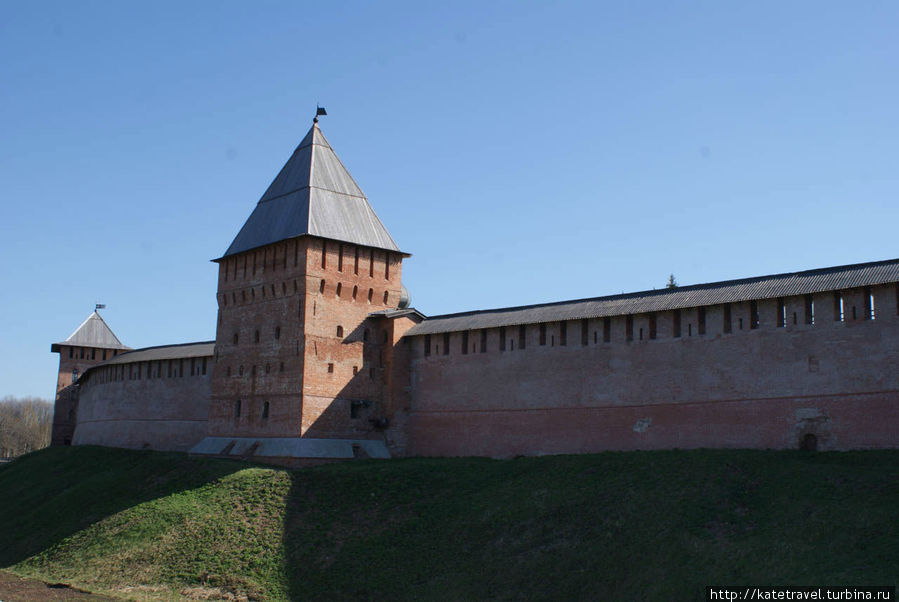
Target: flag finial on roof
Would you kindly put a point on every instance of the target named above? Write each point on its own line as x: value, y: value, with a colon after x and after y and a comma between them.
x: 318, y: 112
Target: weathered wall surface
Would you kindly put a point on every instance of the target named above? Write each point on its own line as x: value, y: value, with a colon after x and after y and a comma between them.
x: 764, y: 387
x: 72, y: 359
x: 158, y: 413
x: 297, y: 354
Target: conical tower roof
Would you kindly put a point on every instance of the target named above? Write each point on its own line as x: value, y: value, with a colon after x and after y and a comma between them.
x: 315, y: 195
x: 93, y: 332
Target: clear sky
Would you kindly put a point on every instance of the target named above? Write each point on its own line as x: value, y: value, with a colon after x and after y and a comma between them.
x: 522, y: 152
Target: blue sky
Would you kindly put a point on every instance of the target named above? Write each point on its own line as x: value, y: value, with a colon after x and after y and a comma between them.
x: 522, y: 152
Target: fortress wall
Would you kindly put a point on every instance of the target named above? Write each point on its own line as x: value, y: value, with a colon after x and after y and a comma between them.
x: 161, y: 412
x: 763, y: 387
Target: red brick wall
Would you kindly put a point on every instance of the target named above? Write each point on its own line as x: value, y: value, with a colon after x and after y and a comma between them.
x: 158, y: 412
x: 280, y: 287
x: 752, y: 388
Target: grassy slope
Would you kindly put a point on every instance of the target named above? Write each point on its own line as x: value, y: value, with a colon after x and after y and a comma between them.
x: 660, y: 525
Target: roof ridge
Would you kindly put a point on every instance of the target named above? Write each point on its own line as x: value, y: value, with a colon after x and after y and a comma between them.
x: 674, y: 290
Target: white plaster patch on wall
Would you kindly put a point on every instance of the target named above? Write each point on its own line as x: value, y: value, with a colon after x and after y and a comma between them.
x: 810, y: 414
x: 641, y: 425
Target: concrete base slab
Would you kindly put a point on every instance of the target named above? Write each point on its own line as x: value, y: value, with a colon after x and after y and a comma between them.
x: 290, y: 447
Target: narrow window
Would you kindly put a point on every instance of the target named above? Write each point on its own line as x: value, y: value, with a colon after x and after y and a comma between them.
x: 203, y: 368
x: 355, y: 292
x: 281, y: 368
x: 387, y: 266
x: 193, y: 366
x: 795, y: 319
x: 104, y: 355
x: 653, y: 326
x: 446, y: 341
x: 543, y: 334
x: 93, y: 354
x: 563, y: 333
x: 753, y: 315
x: 700, y: 320
x: 330, y: 368
x: 371, y: 293
x: 235, y: 338
x: 595, y: 337
x: 689, y: 329
x: 427, y: 344
x: 253, y: 293
x: 82, y: 353
x: 340, y: 331
x: 629, y: 328
x: 522, y: 336
x: 340, y: 258
x: 781, y: 313
x: 324, y: 254
x: 607, y: 329
x: 180, y: 368
x: 854, y: 316
x: 641, y: 333
x: 283, y: 289
x: 265, y: 407
x: 675, y: 322
x: 502, y: 338
x: 585, y: 332
x: 371, y: 264
x: 809, y: 309
x: 869, y: 306
x: 170, y: 369
x: 277, y: 332
x: 741, y: 323
x: 484, y: 341
x: 465, y: 342
x: 356, y: 262
x: 339, y: 288
x: 728, y: 320
x: 837, y: 306
x: 256, y: 336
x: 385, y: 297
x: 321, y: 286
x: 237, y: 409
x: 71, y: 349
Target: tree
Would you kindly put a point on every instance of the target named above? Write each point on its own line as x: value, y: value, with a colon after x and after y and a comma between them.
x: 672, y: 283
x: 25, y: 425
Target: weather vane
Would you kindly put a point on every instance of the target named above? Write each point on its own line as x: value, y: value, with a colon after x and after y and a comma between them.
x: 319, y: 111
x: 99, y: 306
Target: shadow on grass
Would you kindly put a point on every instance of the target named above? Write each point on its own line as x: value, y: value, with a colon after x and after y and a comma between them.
x: 53, y: 493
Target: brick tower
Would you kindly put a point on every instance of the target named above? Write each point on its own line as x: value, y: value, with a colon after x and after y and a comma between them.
x: 309, y: 293
x: 92, y: 343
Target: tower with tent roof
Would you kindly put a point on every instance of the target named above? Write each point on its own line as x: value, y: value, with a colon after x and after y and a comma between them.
x: 310, y: 305
x: 92, y: 342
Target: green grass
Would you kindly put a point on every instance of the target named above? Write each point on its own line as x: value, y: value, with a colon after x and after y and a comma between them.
x: 612, y: 526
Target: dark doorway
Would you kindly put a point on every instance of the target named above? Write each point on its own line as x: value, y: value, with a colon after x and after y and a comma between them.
x: 809, y: 442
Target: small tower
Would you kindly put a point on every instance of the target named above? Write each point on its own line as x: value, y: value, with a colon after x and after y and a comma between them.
x: 300, y: 349
x: 92, y: 343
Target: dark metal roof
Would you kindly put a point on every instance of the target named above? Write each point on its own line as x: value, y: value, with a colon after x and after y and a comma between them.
x: 730, y: 291
x: 315, y: 195
x: 396, y: 313
x: 161, y: 352
x: 93, y: 332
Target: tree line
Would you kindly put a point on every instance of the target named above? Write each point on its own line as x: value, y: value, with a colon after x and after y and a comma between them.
x: 25, y: 425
